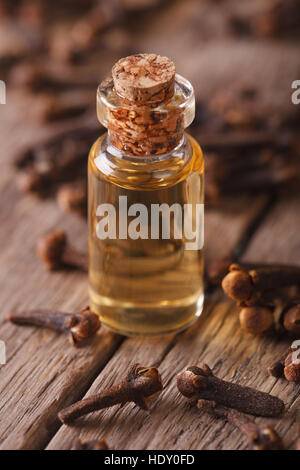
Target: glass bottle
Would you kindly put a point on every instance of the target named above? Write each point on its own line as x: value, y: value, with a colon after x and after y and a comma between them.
x: 146, y: 211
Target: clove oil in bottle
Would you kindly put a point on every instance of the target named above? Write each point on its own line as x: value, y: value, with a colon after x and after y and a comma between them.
x: 146, y: 201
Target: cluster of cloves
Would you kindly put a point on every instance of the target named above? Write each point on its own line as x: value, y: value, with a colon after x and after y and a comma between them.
x: 223, y: 399
x: 247, y: 147
x: 245, y: 169
x: 58, y: 166
x: 268, y: 296
x: 21, y: 34
x: 257, y: 289
x: 60, y: 92
x: 48, y: 167
x: 27, y: 28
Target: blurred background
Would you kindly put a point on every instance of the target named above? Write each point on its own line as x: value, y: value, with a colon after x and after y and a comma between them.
x: 241, y: 56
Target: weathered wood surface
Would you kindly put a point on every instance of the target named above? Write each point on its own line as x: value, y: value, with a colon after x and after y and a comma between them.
x: 43, y: 373
x: 217, y: 340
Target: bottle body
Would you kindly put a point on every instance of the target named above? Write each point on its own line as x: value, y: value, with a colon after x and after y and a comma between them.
x: 146, y: 238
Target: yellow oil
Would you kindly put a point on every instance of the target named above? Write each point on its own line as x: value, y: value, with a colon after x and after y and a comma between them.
x: 145, y: 286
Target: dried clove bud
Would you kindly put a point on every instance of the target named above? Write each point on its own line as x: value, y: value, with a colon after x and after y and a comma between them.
x: 248, y: 286
x: 290, y: 317
x: 58, y: 159
x: 51, y: 107
x: 198, y: 383
x: 292, y: 367
x: 36, y: 77
x: 72, y: 197
x: 79, y: 326
x: 268, y: 162
x: 259, y: 438
x: 90, y: 445
x: 84, y: 32
x: 219, y: 268
x: 55, y: 252
x: 259, y: 318
x: 140, y: 385
x: 288, y: 367
x: 256, y: 319
x: 276, y: 19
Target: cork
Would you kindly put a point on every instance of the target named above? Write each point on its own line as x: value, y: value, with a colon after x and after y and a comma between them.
x: 144, y: 79
x: 145, y: 119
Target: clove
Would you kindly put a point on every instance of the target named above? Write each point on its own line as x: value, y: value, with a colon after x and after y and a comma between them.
x: 82, y: 38
x: 72, y: 197
x: 249, y: 161
x: 218, y: 268
x: 279, y: 18
x: 90, y: 445
x: 36, y: 77
x: 18, y: 42
x: 57, y: 160
x: 140, y: 385
x: 78, y: 326
x: 290, y: 316
x: 256, y: 319
x: 259, y: 318
x: 50, y: 107
x: 289, y: 366
x: 247, y: 287
x: 259, y: 438
x: 197, y: 383
x: 292, y: 364
x: 55, y: 252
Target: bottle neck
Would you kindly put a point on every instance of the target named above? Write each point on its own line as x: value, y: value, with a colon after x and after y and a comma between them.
x: 142, y: 172
x: 141, y: 132
x: 135, y: 159
x: 146, y: 130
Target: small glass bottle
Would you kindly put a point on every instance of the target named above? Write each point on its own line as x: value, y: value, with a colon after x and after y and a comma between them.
x: 146, y: 195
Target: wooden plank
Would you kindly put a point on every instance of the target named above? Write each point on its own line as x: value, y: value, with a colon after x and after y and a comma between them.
x: 282, y: 222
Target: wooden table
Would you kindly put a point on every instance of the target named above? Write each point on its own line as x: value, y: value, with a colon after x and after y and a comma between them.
x: 44, y: 373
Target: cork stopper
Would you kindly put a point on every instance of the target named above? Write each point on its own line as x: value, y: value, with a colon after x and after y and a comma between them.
x: 144, y: 79
x: 145, y: 106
